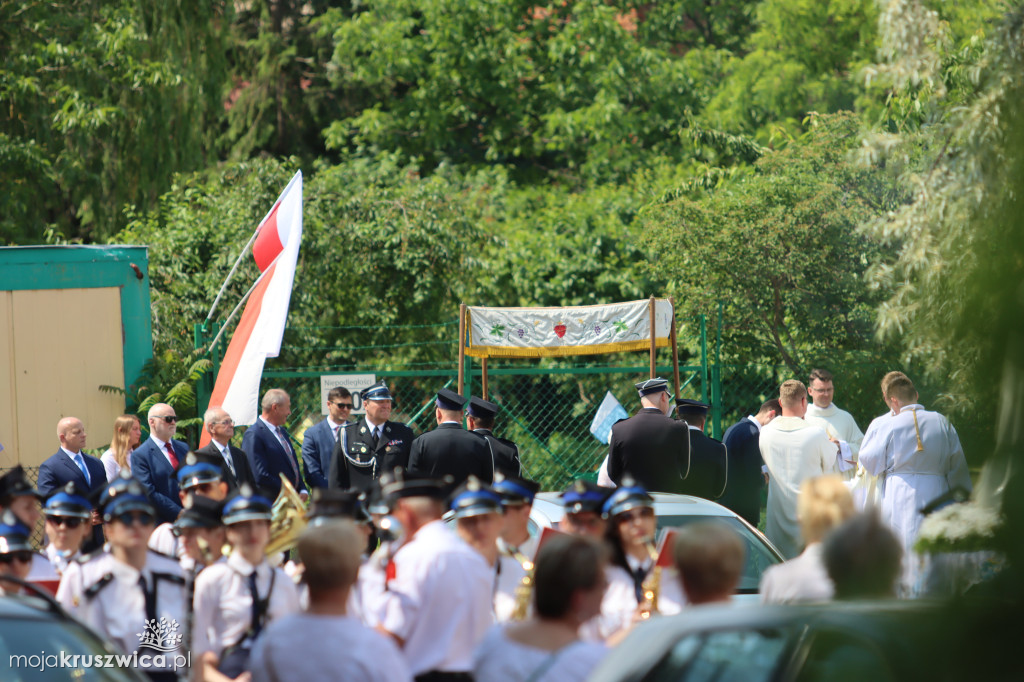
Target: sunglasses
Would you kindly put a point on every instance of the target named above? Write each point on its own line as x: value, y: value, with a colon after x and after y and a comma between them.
x: 635, y: 515
x: 71, y: 522
x: 24, y: 556
x: 128, y: 518
x: 343, y: 406
x: 169, y: 420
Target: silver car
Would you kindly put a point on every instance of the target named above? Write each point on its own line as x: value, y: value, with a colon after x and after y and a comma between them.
x: 673, y: 511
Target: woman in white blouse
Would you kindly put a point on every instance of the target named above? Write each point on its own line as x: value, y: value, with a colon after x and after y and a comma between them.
x: 824, y: 503
x: 225, y: 622
x: 569, y: 583
x: 127, y: 434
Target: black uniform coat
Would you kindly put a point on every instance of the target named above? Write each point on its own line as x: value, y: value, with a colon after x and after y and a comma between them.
x: 707, y: 467
x: 451, y: 450
x: 370, y: 462
x: 651, y: 447
x: 504, y: 452
x: 743, y: 491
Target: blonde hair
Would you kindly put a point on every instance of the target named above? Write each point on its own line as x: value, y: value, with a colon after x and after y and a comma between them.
x: 331, y: 554
x: 709, y: 556
x: 120, y: 442
x: 791, y: 392
x: 824, y: 503
x: 901, y: 388
x: 888, y: 379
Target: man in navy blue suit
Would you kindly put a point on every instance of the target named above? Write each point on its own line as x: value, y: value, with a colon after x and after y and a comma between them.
x: 319, y: 439
x: 156, y: 458
x: 745, y: 478
x: 68, y: 464
x: 269, y: 448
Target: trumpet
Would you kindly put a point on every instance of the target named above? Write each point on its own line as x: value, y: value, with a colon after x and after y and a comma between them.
x: 524, y: 590
x: 652, y: 584
x: 288, y: 519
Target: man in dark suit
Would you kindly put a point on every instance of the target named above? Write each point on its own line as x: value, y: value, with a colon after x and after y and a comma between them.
x: 371, y: 446
x: 71, y: 464
x: 319, y: 439
x: 708, y: 457
x: 504, y: 453
x: 450, y: 450
x: 269, y: 446
x: 155, y: 460
x: 234, y: 463
x: 746, y: 479
x: 650, y: 446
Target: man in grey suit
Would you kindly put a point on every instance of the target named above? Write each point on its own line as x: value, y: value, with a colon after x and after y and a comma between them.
x: 319, y: 439
x: 234, y: 463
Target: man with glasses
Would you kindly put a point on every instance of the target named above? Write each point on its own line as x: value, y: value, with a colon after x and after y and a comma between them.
x: 156, y: 459
x: 269, y: 446
x: 371, y: 446
x: 319, y: 439
x: 235, y: 468
x: 650, y: 446
x: 70, y: 464
x: 838, y: 424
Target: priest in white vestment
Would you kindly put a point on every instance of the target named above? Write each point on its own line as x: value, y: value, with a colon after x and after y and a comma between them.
x: 838, y: 424
x: 920, y: 456
x: 793, y: 450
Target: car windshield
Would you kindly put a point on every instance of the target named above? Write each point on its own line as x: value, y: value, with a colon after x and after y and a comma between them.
x: 44, y: 649
x: 758, y: 556
x: 729, y: 656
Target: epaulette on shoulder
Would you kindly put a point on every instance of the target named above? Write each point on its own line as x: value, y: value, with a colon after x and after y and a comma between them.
x: 169, y: 577
x: 349, y: 425
x: 94, y: 589
x: 161, y: 554
x: 86, y: 558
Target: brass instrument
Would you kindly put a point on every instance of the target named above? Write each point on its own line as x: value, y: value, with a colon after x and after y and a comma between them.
x: 288, y: 519
x: 917, y: 432
x: 652, y: 584
x: 524, y: 590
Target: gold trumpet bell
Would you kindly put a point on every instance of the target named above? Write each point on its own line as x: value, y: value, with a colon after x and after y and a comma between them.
x: 288, y: 519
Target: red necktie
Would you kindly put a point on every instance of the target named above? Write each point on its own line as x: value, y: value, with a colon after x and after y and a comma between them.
x: 171, y: 456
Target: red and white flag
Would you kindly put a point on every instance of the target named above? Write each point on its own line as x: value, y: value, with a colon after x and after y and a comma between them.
x: 259, y: 332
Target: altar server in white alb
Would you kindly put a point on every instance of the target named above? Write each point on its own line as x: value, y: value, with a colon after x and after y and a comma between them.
x: 865, y: 489
x: 131, y: 595
x: 838, y: 424
x: 793, y: 450
x: 920, y: 457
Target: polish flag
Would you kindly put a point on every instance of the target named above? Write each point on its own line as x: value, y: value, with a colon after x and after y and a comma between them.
x: 259, y: 332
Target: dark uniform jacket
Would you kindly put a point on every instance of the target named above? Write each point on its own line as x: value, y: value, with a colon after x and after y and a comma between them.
x: 504, y: 452
x: 651, y: 447
x: 707, y: 467
x: 451, y: 450
x: 361, y: 463
x: 243, y: 471
x: 743, y: 490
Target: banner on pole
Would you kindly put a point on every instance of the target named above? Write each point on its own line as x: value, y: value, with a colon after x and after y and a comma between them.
x: 576, y: 330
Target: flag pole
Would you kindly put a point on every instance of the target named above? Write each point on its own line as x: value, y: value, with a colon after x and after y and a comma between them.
x: 213, y: 344
x: 231, y: 274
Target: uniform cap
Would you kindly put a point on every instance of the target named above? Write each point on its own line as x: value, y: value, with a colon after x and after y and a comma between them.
x: 379, y: 391
x: 68, y: 502
x: 15, y: 483
x: 448, y: 399
x: 13, y: 534
x: 395, y: 486
x: 584, y: 496
x: 651, y: 386
x: 686, y: 406
x: 474, y: 498
x: 247, y: 505
x: 331, y: 503
x: 124, y: 494
x: 200, y: 512
x: 627, y: 496
x: 514, y: 490
x: 478, y: 407
x: 198, y: 469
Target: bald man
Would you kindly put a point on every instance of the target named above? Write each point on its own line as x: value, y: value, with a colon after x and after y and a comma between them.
x: 69, y: 464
